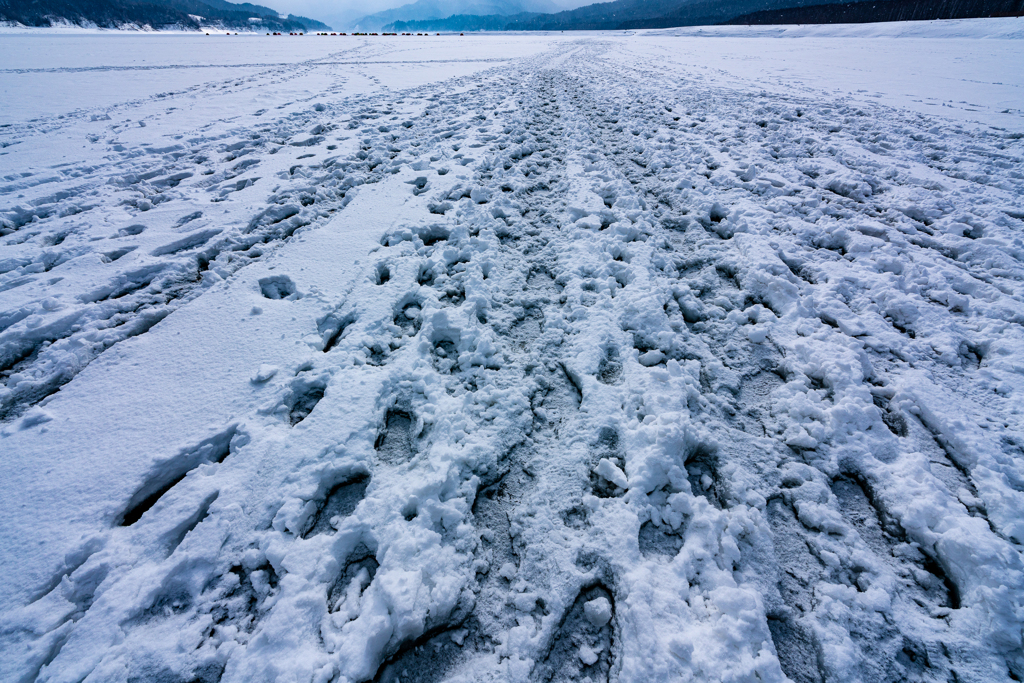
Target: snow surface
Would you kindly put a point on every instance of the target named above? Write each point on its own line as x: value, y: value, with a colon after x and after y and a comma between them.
x: 512, y: 357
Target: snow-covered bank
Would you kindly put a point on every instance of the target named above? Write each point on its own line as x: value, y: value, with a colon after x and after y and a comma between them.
x: 1002, y: 28
x: 509, y: 358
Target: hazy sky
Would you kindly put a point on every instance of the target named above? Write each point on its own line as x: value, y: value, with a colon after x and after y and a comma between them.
x: 338, y: 12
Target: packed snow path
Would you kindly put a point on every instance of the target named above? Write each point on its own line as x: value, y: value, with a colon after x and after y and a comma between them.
x: 570, y: 369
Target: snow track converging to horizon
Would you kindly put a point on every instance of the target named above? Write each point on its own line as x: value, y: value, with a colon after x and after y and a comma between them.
x: 578, y: 367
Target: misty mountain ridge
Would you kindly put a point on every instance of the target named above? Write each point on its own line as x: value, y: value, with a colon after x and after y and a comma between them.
x: 187, y: 15
x: 436, y: 10
x: 647, y: 14
x: 618, y: 14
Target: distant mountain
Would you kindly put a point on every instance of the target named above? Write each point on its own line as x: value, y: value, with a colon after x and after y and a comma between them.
x: 639, y: 14
x: 462, y: 22
x: 427, y: 10
x: 155, y: 14
x: 310, y: 24
x: 619, y: 14
x: 627, y: 14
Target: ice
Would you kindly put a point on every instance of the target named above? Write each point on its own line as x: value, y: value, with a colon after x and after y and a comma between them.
x: 667, y: 355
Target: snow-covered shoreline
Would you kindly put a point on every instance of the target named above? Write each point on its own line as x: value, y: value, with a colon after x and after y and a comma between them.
x: 512, y: 357
x: 1003, y: 28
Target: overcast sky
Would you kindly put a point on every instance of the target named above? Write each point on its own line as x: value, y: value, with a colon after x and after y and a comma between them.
x: 339, y: 12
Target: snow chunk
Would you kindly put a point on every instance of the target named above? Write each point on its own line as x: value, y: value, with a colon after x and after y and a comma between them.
x: 264, y: 374
x: 757, y: 333
x: 589, y: 223
x: 651, y: 358
x: 610, y: 471
x: 480, y: 195
x: 598, y: 611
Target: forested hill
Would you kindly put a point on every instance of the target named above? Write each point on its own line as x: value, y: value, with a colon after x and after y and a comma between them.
x: 155, y: 14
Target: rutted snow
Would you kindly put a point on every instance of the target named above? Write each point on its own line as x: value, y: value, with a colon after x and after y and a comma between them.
x: 559, y: 358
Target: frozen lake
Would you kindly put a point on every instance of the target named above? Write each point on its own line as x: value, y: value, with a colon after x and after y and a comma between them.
x: 692, y: 354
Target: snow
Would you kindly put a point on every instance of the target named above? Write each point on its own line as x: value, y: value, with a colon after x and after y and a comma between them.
x: 889, y: 63
x: 653, y: 356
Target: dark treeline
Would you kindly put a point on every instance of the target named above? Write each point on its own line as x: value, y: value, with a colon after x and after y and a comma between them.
x: 103, y: 13
x: 885, y: 10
